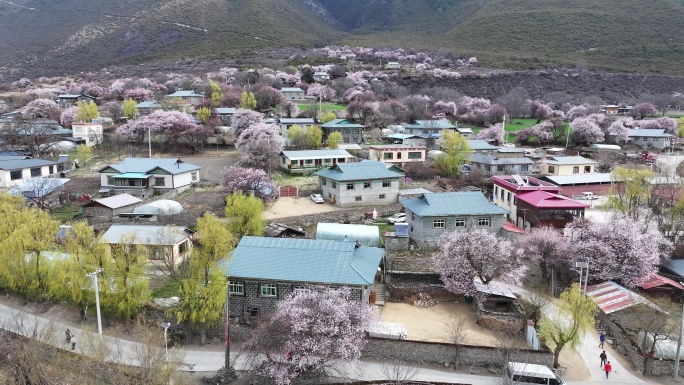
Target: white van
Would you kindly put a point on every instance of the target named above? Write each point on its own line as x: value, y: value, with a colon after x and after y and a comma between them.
x: 522, y: 373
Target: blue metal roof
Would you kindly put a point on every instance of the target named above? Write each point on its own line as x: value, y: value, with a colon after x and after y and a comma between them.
x: 452, y: 203
x: 145, y: 165
x: 291, y: 89
x: 359, y: 171
x: 149, y: 104
x: 304, y: 260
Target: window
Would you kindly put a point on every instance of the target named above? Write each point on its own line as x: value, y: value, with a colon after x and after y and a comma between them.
x: 500, y: 168
x: 382, y: 196
x: 386, y: 183
x: 14, y: 175
x: 355, y: 131
x: 460, y: 222
x: 334, y: 185
x: 501, y: 191
x: 587, y: 169
x: 357, y: 198
x: 110, y: 180
x: 159, y: 182
x: 415, y: 155
x: 300, y: 289
x: 324, y: 182
x: 194, y: 176
x: 269, y: 290
x: 398, y: 155
x: 366, y: 184
x: 350, y: 186
x: 35, y: 172
x: 524, y: 167
x: 508, y: 197
x: 575, y: 170
x: 552, y: 169
x: 411, y: 228
x: 308, y: 161
x: 183, y: 248
x: 157, y: 253
x: 236, y: 288
x: 51, y: 170
x: 438, y: 224
x: 294, y: 162
x: 388, y: 155
x: 483, y: 222
x: 253, y: 310
x: 413, y: 216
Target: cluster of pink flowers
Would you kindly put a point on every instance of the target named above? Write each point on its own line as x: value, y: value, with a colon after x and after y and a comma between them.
x: 44, y: 93
x: 322, y: 91
x: 442, y: 73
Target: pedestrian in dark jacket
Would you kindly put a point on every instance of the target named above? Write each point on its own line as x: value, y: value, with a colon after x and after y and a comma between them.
x: 602, y: 339
x: 73, y: 343
x: 603, y: 358
x: 608, y: 368
x: 67, y: 333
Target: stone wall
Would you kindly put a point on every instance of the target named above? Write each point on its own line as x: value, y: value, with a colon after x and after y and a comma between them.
x: 623, y: 344
x: 444, y: 353
x: 340, y: 216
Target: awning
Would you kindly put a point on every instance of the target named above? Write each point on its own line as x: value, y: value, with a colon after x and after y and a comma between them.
x: 131, y: 175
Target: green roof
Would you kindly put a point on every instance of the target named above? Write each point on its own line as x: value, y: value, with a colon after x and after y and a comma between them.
x: 359, y: 171
x: 132, y: 175
x: 304, y: 260
x: 341, y: 123
x: 452, y: 203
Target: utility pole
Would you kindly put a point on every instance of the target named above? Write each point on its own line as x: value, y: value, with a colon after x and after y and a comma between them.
x: 227, y: 329
x: 93, y: 275
x: 149, y: 139
x: 675, y: 372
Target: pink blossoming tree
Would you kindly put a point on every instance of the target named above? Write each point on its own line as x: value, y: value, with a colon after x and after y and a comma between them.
x: 664, y: 123
x: 242, y: 119
x: 260, y: 144
x: 318, y: 328
x: 550, y: 248
x: 68, y: 116
x: 138, y: 94
x: 40, y: 108
x: 495, y: 132
x: 248, y: 180
x: 466, y: 255
x: 586, y: 132
x: 320, y: 90
x: 642, y: 110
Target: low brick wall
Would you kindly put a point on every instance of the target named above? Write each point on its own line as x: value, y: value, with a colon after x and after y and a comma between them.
x: 443, y: 353
x: 339, y: 216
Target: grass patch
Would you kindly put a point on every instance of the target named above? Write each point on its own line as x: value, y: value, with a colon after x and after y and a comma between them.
x: 324, y: 106
x: 170, y: 288
x: 383, y: 226
x: 67, y: 213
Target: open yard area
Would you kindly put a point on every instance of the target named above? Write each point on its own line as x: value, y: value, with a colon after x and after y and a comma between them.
x: 288, y: 207
x: 324, y: 106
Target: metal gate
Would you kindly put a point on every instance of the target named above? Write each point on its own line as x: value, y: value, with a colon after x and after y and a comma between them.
x: 289, y: 191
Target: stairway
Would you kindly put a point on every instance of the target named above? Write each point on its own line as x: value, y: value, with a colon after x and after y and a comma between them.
x: 380, y: 293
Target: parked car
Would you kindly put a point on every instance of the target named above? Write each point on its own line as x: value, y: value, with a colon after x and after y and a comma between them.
x: 519, y: 373
x: 588, y: 196
x: 397, y: 218
x: 317, y: 198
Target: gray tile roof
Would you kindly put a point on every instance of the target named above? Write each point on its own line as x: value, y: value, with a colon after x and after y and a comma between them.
x: 359, y: 171
x: 430, y: 124
x: 452, y: 203
x: 145, y: 165
x: 315, y: 154
x: 304, y: 260
x: 20, y: 164
x: 225, y: 110
x: 145, y: 235
x: 341, y: 123
x: 569, y: 160
x: 649, y: 133
x: 480, y: 145
x: 492, y: 160
x: 296, y: 121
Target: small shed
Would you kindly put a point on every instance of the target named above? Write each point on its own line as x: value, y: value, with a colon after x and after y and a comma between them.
x: 363, y: 234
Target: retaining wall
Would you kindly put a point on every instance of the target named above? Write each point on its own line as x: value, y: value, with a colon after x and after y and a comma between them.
x: 339, y: 216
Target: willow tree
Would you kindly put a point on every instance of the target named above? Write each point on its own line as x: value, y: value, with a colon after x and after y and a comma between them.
x: 203, y: 292
x: 243, y: 213
x: 126, y: 280
x: 631, y: 191
x: 567, y: 326
x: 456, y: 152
x: 87, y: 111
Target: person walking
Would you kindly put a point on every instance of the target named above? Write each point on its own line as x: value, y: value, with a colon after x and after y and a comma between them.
x: 67, y: 333
x: 73, y: 343
x: 602, y: 339
x: 603, y: 358
x: 608, y: 368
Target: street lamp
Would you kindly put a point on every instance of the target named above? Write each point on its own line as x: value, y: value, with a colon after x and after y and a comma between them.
x: 166, y: 325
x: 93, y: 275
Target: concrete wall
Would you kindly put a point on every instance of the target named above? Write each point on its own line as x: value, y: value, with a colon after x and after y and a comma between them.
x: 338, y: 194
x: 650, y: 142
x: 398, y: 155
x: 507, y: 202
x: 352, y: 215
x: 422, y: 231
x: 597, y: 189
x: 509, y: 169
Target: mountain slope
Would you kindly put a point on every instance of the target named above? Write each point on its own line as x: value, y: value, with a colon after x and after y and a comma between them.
x: 60, y: 36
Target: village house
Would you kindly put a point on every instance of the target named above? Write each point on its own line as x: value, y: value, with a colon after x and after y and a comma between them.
x: 89, y: 133
x: 293, y: 93
x: 610, y: 109
x: 69, y: 100
x: 287, y: 123
x: 138, y: 175
x: 393, y: 65
x: 650, y: 138
x: 103, y: 210
x: 359, y: 184
x: 429, y: 127
x: 191, y: 97
x: 14, y: 170
x: 321, y: 76
x: 397, y: 153
x: 568, y: 165
x: 506, y: 188
x: 148, y: 107
x: 466, y: 132
x: 167, y: 245
x: 571, y: 185
x: 225, y: 114
x: 311, y: 160
x: 542, y: 208
x: 351, y: 132
x: 263, y: 271
x: 490, y: 165
x: 431, y: 215
x: 478, y: 146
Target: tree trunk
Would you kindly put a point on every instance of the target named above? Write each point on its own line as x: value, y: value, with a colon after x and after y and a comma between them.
x: 556, y: 354
x: 188, y: 334
x: 203, y: 336
x: 553, y: 281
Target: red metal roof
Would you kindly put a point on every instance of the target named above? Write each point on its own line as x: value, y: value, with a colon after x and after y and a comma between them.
x: 657, y: 281
x: 543, y: 199
x: 611, y: 297
x: 531, y: 184
x: 508, y: 226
